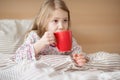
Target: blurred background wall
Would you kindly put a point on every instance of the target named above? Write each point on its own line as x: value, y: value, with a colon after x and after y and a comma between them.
x: 95, y: 23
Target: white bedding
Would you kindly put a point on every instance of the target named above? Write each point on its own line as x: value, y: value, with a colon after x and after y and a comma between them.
x: 101, y: 66
x: 106, y: 67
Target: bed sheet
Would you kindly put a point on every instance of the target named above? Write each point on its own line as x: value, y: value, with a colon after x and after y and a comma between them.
x: 102, y: 66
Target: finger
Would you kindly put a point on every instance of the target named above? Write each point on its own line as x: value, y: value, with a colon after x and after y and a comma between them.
x: 74, y: 55
x: 81, y: 55
x: 78, y: 58
x: 53, y: 45
x: 78, y: 55
x: 51, y: 36
x: 81, y: 61
x: 81, y: 64
x: 52, y: 42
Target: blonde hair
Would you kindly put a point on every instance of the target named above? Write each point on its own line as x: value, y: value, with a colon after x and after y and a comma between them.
x: 41, y: 20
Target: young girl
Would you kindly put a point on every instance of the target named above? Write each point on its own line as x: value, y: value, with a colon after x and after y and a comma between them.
x: 53, y: 16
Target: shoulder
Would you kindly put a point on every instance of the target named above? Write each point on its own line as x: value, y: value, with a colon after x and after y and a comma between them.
x: 32, y: 36
x: 33, y: 32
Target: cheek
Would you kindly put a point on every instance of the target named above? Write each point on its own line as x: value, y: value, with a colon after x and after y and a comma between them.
x: 51, y: 27
x: 66, y: 27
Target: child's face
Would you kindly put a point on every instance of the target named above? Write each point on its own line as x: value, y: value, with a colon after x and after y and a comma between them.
x: 58, y: 21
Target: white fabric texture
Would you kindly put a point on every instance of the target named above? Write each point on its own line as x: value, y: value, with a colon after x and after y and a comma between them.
x: 52, y: 67
x: 12, y: 34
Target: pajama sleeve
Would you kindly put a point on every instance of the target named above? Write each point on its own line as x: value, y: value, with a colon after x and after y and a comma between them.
x: 26, y: 50
x: 76, y: 48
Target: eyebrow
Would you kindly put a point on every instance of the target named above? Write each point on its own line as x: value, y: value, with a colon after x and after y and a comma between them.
x: 60, y: 18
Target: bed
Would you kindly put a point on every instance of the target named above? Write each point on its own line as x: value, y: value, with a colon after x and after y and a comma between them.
x: 101, y: 66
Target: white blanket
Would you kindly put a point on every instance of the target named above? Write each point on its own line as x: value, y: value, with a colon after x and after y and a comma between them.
x: 102, y: 66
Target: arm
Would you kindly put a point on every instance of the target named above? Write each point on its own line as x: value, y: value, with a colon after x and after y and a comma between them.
x: 75, y: 47
x: 26, y: 50
x: 77, y: 55
x: 33, y: 46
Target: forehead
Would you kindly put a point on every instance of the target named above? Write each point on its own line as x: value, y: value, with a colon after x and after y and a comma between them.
x: 59, y: 13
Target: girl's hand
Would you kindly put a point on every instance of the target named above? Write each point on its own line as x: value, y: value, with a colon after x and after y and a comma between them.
x: 79, y: 59
x: 48, y: 39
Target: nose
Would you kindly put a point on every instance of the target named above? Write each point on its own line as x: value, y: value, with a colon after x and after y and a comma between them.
x: 61, y: 26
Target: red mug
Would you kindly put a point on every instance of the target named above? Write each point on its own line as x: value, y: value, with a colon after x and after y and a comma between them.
x: 64, y: 40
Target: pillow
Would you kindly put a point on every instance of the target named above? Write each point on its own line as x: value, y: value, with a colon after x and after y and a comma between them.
x: 12, y: 34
